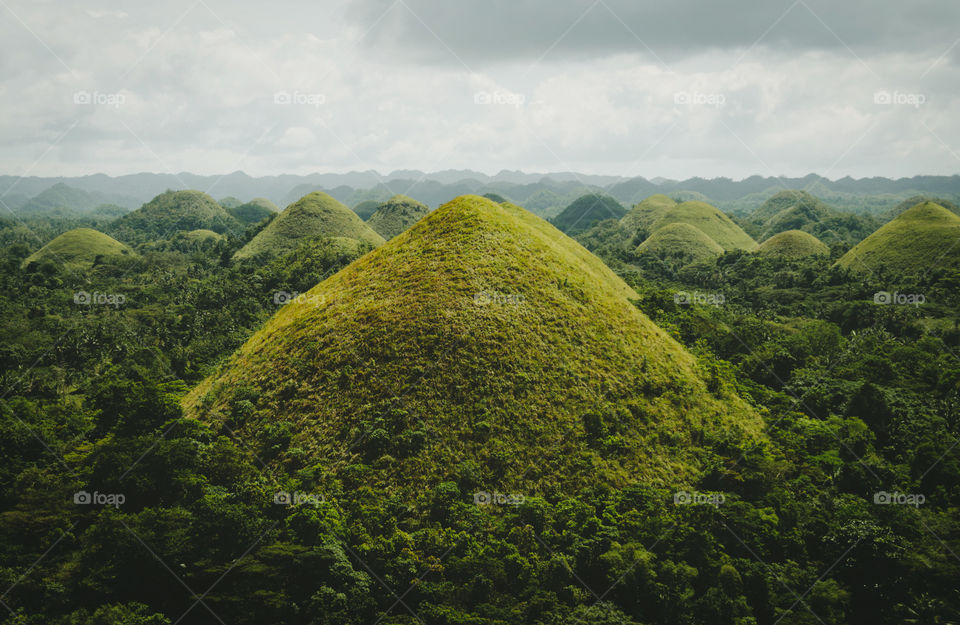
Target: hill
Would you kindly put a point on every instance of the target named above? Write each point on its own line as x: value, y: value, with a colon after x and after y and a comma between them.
x: 681, y: 241
x: 793, y: 244
x: 254, y: 211
x: 642, y: 216
x: 366, y: 209
x: 396, y: 215
x: 172, y: 212
x: 923, y: 238
x: 917, y: 199
x: 314, y: 215
x: 784, y: 201
x: 481, y: 340
x: 79, y: 249
x: 587, y: 210
x: 710, y: 221
x: 202, y: 235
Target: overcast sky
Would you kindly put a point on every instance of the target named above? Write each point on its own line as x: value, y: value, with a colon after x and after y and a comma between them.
x: 674, y: 89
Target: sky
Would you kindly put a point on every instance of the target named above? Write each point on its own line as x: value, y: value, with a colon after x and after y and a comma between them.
x: 622, y: 87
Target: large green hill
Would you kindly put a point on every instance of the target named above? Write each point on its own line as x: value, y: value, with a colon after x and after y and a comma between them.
x: 314, y: 215
x: 921, y: 239
x: 396, y: 215
x: 481, y: 339
x: 254, y: 211
x: 642, y: 216
x: 172, y: 212
x: 587, y: 210
x: 680, y: 241
x: 709, y: 220
x: 793, y: 244
x: 79, y: 248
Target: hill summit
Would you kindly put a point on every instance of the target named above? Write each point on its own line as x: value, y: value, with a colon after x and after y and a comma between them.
x: 314, y: 215
x: 642, y: 216
x: 922, y: 238
x: 587, y: 210
x: 396, y: 215
x: 709, y: 220
x: 172, y: 212
x: 79, y: 248
x: 793, y: 244
x: 680, y: 241
x: 482, y: 346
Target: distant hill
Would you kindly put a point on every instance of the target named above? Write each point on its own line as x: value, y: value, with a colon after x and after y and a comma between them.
x: 229, y: 202
x: 517, y: 354
x: 172, y: 212
x: 314, y: 215
x: 709, y: 220
x: 254, y: 211
x: 642, y: 216
x: 921, y: 239
x: 681, y: 242
x: 80, y: 248
x: 61, y: 199
x: 366, y: 209
x: 587, y: 210
x: 793, y: 244
x: 918, y: 199
x: 396, y: 215
x: 784, y: 201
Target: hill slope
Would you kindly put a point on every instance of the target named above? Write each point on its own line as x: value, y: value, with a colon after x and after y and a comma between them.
x: 79, y: 248
x: 587, y: 210
x: 254, y: 211
x: 922, y: 238
x: 681, y: 241
x: 642, y: 216
x: 785, y: 201
x: 314, y: 215
x: 480, y: 340
x: 172, y: 212
x: 396, y: 215
x: 793, y: 244
x: 710, y: 221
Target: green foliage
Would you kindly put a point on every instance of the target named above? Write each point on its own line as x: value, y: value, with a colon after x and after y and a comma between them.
x: 709, y: 220
x: 587, y: 210
x: 396, y: 215
x: 792, y: 244
x: 172, y: 212
x: 80, y: 248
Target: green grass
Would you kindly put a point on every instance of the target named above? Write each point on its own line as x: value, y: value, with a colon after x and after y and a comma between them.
x: 366, y: 209
x: 709, y: 220
x: 642, y: 216
x: 254, y: 211
x: 793, y: 244
x: 919, y: 199
x: 587, y: 210
x: 787, y: 200
x: 482, y: 340
x: 681, y: 241
x: 79, y: 248
x: 172, y: 212
x: 314, y: 215
x: 396, y: 215
x: 202, y: 235
x: 921, y: 239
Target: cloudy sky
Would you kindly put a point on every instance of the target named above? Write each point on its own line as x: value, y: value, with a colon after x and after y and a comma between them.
x: 629, y: 87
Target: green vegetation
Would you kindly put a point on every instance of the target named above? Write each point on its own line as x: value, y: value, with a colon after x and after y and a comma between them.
x: 80, y: 248
x: 642, y: 216
x: 708, y: 220
x: 396, y: 215
x: 172, y: 212
x: 922, y: 239
x: 254, y: 211
x: 366, y: 209
x: 793, y: 244
x: 314, y: 215
x: 587, y: 210
x: 680, y: 242
x: 912, y: 201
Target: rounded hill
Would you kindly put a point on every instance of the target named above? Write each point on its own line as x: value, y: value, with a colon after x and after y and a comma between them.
x: 314, y: 215
x: 642, y: 216
x: 254, y: 211
x: 587, y: 210
x: 923, y: 238
x: 172, y: 212
x: 793, y: 244
x: 481, y: 345
x: 79, y: 248
x: 396, y: 215
x: 709, y: 220
x: 680, y: 241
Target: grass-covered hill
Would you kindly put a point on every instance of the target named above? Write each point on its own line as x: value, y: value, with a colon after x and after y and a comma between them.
x: 480, y: 340
x: 643, y: 214
x: 682, y: 242
x: 202, y: 235
x: 366, y: 209
x: 396, y: 215
x: 587, y: 210
x: 172, y: 212
x: 709, y: 220
x: 923, y: 238
x: 79, y: 248
x: 314, y: 215
x: 793, y: 244
x: 919, y: 199
x: 786, y: 200
x: 254, y: 211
